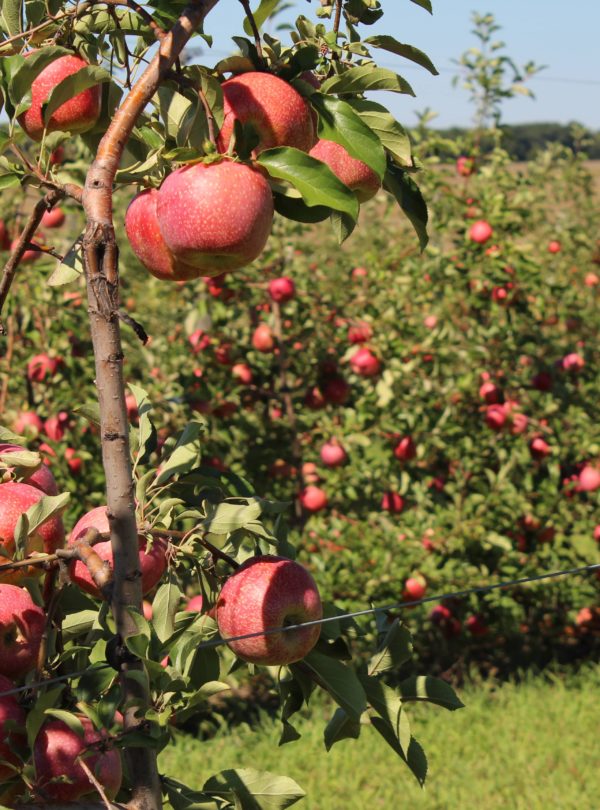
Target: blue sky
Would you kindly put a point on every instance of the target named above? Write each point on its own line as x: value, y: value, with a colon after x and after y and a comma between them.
x: 562, y: 35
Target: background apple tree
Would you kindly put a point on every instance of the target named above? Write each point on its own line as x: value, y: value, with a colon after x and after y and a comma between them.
x: 104, y: 674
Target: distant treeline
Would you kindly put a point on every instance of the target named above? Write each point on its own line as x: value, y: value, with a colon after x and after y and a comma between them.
x: 523, y: 141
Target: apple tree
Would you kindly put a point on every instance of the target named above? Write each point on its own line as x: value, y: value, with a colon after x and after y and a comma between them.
x: 93, y: 682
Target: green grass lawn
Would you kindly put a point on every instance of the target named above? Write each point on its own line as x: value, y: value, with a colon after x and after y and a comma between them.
x: 532, y: 746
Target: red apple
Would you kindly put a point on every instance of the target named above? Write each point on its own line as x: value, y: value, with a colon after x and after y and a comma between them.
x: 539, y: 448
x: 430, y: 321
x: 333, y: 454
x: 476, y: 625
x: 359, y: 177
x: 279, y: 114
x: 29, y: 256
x: 406, y: 449
x: 53, y: 218
x: 573, y: 362
x: 56, y: 754
x: 15, y: 499
x: 589, y: 479
x: 365, y: 363
x: 131, y: 407
x: 152, y: 562
x: 495, y: 417
x: 10, y: 738
x: 554, y: 246
x: 223, y: 354
x: 216, y: 217
x: 360, y: 332
x: 74, y: 462
x: 359, y: 272
x: 597, y: 533
x: 269, y: 592
x: 335, y: 390
x: 490, y: 393
x: 282, y: 289
x: 199, y: 341
x: 542, y: 381
x: 41, y: 478
x: 5, y: 239
x: 480, y: 231
x: 194, y: 605
x: 392, y: 502
x: 415, y: 588
x: 22, y: 625
x: 591, y: 279
x: 242, y: 372
x: 27, y: 422
x: 78, y: 114
x: 57, y: 156
x: 147, y: 610
x: 41, y: 366
x: 313, y: 499
x: 465, y: 166
x: 147, y: 242
x: 55, y: 426
x: 262, y: 339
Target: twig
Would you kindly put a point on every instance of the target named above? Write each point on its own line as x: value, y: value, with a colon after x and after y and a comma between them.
x: 337, y: 18
x: 254, y: 27
x: 137, y: 327
x: 86, y: 769
x: 210, y: 119
x: 10, y: 268
x: 176, y: 535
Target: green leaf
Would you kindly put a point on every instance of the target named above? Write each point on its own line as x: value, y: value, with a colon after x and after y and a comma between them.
x: 314, y: 180
x: 295, y: 209
x: 10, y: 17
x: 146, y: 432
x: 426, y: 4
x: 248, y: 789
x: 410, y: 200
x: 340, y: 727
x: 8, y: 437
x: 338, y: 122
x: 181, y: 797
x: 72, y: 85
x: 395, y: 650
x: 69, y: 269
x: 9, y: 181
x: 22, y: 458
x: 392, y: 45
x: 392, y: 135
x: 69, y: 719
x: 415, y: 759
x: 262, y: 13
x: 342, y: 225
x: 365, y: 78
x: 89, y: 411
x: 340, y: 681
x: 164, y: 607
x: 43, y: 510
x: 384, y: 700
x: 37, y: 714
x: 76, y: 624
x: 173, y: 107
x: 227, y: 517
x: 430, y: 690
x: 186, y: 454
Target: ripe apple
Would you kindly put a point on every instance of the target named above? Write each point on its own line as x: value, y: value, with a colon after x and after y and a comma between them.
x: 360, y: 332
x: 194, y: 605
x: 542, y: 381
x: 242, y: 372
x: 41, y: 478
x: 78, y: 114
x: 365, y: 363
x: 5, y: 239
x: 359, y: 272
x: 10, y: 738
x: 15, y: 499
x: 282, y: 289
x: 223, y: 354
x: 573, y: 362
x: 480, y: 231
x: 476, y: 625
x: 392, y: 502
x: 41, y: 366
x: 152, y: 562
x: 268, y: 592
x: 414, y: 588
x: 279, y: 114
x: 28, y: 422
x: 335, y: 390
x: 147, y: 241
x: 591, y: 279
x: 359, y: 177
x: 490, y: 393
x: 597, y: 533
x: 430, y: 321
x: 55, y: 426
x: 589, y: 479
x: 216, y: 216
x: 313, y: 499
x: 554, y: 246
x: 74, y: 462
x: 333, y: 454
x: 539, y: 448
x: 465, y: 166
x: 53, y: 218
x: 263, y: 339
x: 131, y: 407
x: 22, y: 625
x: 29, y: 256
x: 56, y: 753
x: 147, y: 610
x: 495, y: 417
x: 57, y: 156
x: 406, y: 449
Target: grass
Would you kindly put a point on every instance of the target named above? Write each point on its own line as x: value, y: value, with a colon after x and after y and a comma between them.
x: 532, y: 746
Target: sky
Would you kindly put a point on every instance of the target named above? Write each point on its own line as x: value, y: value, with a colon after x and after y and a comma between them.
x: 562, y: 35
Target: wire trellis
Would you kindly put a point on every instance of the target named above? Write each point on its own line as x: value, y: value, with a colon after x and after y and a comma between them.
x: 218, y: 642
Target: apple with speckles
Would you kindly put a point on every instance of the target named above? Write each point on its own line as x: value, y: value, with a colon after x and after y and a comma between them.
x: 22, y: 625
x: 355, y: 174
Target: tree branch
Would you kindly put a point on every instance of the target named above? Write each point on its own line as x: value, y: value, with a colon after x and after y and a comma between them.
x: 254, y: 27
